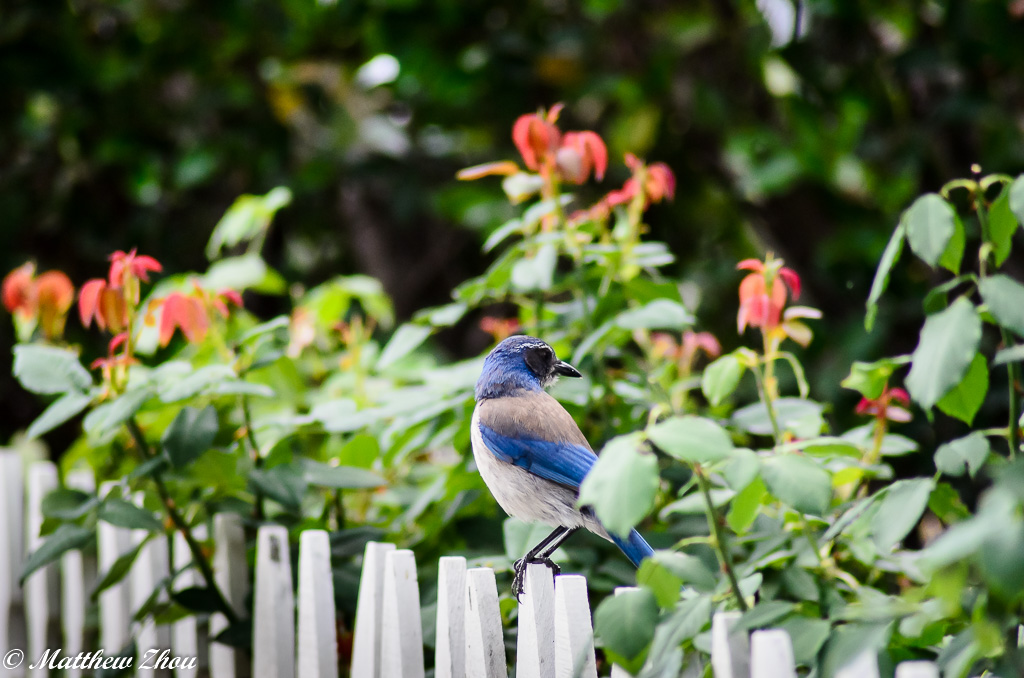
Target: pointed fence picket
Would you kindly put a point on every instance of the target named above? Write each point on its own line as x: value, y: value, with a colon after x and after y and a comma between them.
x: 295, y: 634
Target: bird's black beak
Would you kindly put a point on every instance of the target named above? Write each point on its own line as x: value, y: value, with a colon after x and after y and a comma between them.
x: 564, y: 369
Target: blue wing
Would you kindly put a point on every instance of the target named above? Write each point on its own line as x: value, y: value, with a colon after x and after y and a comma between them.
x: 560, y: 462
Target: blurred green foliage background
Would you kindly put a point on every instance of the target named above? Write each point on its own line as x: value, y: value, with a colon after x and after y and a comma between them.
x: 802, y: 129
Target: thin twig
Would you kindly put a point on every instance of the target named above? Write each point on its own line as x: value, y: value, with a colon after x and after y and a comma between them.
x: 179, y: 522
x: 719, y: 544
x: 257, y: 458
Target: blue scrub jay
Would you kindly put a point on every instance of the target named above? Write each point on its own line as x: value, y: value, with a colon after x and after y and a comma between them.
x: 531, y: 453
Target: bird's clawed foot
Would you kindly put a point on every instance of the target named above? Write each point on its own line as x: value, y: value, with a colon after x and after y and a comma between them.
x: 519, y: 567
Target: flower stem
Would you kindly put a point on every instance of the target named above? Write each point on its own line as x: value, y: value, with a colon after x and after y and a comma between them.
x: 768, y: 403
x: 179, y: 523
x: 257, y: 458
x: 718, y: 537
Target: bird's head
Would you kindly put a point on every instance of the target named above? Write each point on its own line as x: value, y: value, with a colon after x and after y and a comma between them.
x: 520, y: 362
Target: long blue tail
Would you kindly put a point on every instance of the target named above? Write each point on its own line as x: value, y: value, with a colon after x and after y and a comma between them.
x: 635, y: 547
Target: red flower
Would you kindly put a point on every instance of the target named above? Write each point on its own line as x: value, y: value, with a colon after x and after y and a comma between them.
x: 499, y: 328
x: 580, y: 153
x: 104, y: 303
x: 658, y: 183
x: 882, y: 407
x: 191, y: 312
x: 759, y: 306
x: 46, y: 298
x: 19, y: 292
x: 184, y: 312
x: 126, y: 269
x: 536, y: 137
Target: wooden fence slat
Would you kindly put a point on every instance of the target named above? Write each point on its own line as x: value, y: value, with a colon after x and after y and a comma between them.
x: 402, y: 643
x: 917, y: 669
x: 535, y: 651
x: 77, y: 575
x: 730, y: 651
x: 450, y: 646
x: 574, y: 629
x: 231, y: 573
x: 317, y: 633
x: 150, y: 568
x: 369, y: 608
x: 618, y: 671
x: 186, y: 638
x: 771, y: 655
x: 485, y: 642
x: 42, y: 588
x: 12, y: 617
x: 273, y: 629
x: 115, y: 616
x: 864, y: 665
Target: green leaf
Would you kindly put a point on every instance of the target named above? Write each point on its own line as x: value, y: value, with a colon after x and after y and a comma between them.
x: 190, y: 434
x: 808, y: 636
x: 1004, y: 297
x: 802, y: 417
x: 341, y: 477
x: 499, y: 234
x: 520, y: 186
x: 742, y: 468
x: 622, y: 484
x: 691, y: 439
x: 248, y: 218
x: 964, y: 401
x: 931, y: 223
x: 662, y: 582
x: 68, y: 504
x: 1016, y: 198
x: 869, y: 379
x: 112, y: 414
x: 900, y: 511
x: 118, y: 569
x: 48, y: 370
x: 59, y: 411
x: 197, y: 599
x: 126, y: 514
x: 65, y: 538
x: 849, y: 641
x: 764, y: 614
x: 889, y: 257
x: 285, y: 484
x: 687, y: 569
x: 745, y: 506
x: 947, y: 345
x: 1002, y: 224
x: 625, y: 622
x: 1001, y: 561
x: 721, y: 378
x: 663, y: 314
x: 246, y: 272
x: 963, y: 454
x: 536, y: 273
x: 1013, y: 354
x: 798, y: 482
x: 404, y: 341
x: 954, y: 252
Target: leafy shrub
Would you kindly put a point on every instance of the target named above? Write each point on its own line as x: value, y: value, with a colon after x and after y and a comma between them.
x: 331, y: 417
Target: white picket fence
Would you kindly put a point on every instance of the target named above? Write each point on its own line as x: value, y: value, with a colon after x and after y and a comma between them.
x: 299, y: 637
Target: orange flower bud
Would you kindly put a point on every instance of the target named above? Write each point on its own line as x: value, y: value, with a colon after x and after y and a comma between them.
x: 55, y: 294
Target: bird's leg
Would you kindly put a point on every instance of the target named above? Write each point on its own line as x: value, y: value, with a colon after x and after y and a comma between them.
x: 541, y: 553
